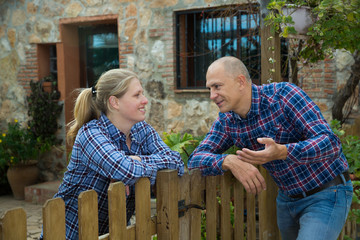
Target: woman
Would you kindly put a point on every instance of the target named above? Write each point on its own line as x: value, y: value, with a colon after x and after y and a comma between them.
x: 111, y: 142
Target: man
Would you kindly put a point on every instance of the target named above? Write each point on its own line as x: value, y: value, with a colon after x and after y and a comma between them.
x: 279, y: 126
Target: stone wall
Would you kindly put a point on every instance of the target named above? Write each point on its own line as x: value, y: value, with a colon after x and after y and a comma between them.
x: 146, y: 45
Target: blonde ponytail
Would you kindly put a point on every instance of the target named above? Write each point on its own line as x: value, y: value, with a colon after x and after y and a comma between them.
x: 85, y: 110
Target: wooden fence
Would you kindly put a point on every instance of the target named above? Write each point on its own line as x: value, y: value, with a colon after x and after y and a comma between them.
x: 179, y: 212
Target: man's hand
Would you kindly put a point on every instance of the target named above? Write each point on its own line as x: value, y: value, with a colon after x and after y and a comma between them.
x: 249, y: 176
x: 272, y: 151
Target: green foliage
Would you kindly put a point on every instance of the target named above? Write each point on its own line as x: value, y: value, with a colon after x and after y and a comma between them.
x: 18, y: 145
x: 185, y: 144
x: 44, y: 112
x: 351, y: 149
x: 355, y: 212
x: 350, y: 146
x: 336, y: 26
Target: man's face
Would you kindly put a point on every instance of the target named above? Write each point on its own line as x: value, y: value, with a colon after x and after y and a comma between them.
x: 224, y: 89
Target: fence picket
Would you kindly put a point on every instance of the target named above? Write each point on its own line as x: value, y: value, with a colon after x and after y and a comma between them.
x: 251, y: 216
x: 211, y: 207
x: 197, y: 188
x: 54, y: 219
x: 143, y: 212
x: 167, y: 205
x: 14, y: 224
x: 184, y: 194
x: 88, y: 215
x: 117, y: 212
x: 225, y: 183
x: 238, y: 210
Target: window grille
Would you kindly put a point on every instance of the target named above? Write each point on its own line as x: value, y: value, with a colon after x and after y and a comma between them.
x: 203, y: 36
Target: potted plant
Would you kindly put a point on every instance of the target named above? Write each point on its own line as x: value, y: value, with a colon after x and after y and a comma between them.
x: 19, y: 151
x: 334, y: 25
x: 44, y: 111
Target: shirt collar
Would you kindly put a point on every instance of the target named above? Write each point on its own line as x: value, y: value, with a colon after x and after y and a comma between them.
x: 115, y: 133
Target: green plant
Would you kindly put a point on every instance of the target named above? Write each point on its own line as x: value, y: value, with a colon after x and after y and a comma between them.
x: 18, y: 145
x: 350, y: 146
x: 335, y: 26
x: 185, y: 144
x: 44, y: 111
x: 351, y: 149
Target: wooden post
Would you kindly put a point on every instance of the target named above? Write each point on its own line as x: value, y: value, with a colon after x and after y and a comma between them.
x: 238, y: 210
x: 54, y: 219
x: 225, y: 183
x: 250, y: 216
x: 167, y: 205
x: 117, y: 211
x: 196, y: 195
x: 13, y: 225
x: 184, y: 195
x: 143, y: 211
x: 88, y: 215
x: 270, y: 48
x: 211, y: 207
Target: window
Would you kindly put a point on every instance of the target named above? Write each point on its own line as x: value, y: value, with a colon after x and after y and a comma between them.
x: 99, y: 51
x: 47, y: 60
x: 205, y: 35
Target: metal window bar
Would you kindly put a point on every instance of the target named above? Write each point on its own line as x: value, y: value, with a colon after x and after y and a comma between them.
x: 209, y: 29
x: 186, y: 49
x: 195, y: 50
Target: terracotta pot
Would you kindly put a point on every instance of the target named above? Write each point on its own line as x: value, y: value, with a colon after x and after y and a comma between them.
x: 301, y: 16
x: 47, y: 87
x: 21, y: 176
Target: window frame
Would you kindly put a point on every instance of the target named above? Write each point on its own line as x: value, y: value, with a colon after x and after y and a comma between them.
x: 182, y: 78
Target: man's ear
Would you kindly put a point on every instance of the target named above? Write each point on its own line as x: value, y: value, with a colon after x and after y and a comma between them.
x: 114, y: 103
x: 241, y: 80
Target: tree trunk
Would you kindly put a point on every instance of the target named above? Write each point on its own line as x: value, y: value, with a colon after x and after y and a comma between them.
x: 345, y: 93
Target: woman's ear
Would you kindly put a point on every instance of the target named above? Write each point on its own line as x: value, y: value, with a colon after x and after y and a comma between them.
x: 114, y: 103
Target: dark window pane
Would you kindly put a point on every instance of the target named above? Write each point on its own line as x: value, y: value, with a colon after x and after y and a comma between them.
x: 99, y: 51
x: 206, y: 35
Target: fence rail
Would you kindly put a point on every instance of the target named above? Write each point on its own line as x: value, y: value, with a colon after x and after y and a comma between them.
x: 230, y: 212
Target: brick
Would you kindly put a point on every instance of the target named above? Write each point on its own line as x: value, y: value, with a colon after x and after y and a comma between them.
x: 329, y: 75
x: 167, y: 75
x: 126, y: 52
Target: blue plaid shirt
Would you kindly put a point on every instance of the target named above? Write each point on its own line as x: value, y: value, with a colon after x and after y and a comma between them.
x: 100, y: 154
x: 285, y: 113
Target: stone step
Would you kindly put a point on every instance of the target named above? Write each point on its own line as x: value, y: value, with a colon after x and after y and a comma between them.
x: 41, y: 192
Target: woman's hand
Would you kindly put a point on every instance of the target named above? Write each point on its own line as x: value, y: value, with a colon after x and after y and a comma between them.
x: 135, y: 157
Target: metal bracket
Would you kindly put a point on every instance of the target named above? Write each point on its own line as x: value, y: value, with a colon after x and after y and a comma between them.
x: 183, y: 208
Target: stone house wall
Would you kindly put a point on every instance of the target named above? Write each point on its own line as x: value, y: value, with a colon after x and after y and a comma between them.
x: 146, y: 45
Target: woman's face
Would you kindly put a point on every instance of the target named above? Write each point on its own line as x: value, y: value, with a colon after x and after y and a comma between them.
x: 132, y: 103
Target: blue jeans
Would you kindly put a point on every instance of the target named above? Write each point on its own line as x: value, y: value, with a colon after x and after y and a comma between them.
x: 315, y: 217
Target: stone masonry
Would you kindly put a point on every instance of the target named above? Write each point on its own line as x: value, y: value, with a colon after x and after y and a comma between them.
x: 146, y: 45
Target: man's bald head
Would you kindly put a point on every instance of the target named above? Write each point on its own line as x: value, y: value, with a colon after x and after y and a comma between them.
x: 232, y: 66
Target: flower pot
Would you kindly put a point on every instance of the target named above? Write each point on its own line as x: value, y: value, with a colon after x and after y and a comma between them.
x: 301, y: 16
x: 20, y: 176
x: 47, y: 87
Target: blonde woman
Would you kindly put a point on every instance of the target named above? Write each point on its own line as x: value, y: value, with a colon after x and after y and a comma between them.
x: 111, y: 142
